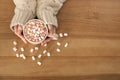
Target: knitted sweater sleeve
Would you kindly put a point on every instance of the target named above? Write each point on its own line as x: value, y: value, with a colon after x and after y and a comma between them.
x: 24, y: 11
x: 48, y: 9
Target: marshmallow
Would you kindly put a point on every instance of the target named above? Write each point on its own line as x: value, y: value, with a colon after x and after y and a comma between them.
x: 21, y: 55
x: 15, y: 43
x: 14, y: 49
x: 36, y: 48
x: 24, y: 57
x: 39, y: 63
x: 31, y: 50
x: 33, y: 58
x: 58, y: 50
x: 17, y: 55
x: 39, y: 56
x: 44, y: 51
x: 66, y: 34
x: 61, y: 34
x: 48, y: 54
x: 45, y: 45
x: 22, y: 49
x: 58, y: 43
x: 66, y: 45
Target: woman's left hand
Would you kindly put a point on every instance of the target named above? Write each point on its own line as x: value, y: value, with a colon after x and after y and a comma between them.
x: 51, y: 34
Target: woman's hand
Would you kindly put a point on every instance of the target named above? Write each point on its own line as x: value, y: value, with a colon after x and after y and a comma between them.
x: 51, y: 34
x: 19, y: 32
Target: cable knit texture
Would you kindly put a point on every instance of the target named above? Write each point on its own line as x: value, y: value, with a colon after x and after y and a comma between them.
x: 26, y: 10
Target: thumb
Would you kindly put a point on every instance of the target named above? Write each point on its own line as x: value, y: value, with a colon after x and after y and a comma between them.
x: 52, y: 31
x: 20, y: 31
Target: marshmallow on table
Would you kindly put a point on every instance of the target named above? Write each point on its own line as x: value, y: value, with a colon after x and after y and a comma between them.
x: 39, y: 63
x: 45, y: 45
x: 14, y: 49
x: 22, y: 49
x: 58, y: 50
x: 44, y: 51
x: 58, y: 43
x: 39, y: 56
x: 66, y: 45
x: 31, y: 50
x: 61, y: 34
x: 15, y: 43
x: 17, y: 55
x: 33, y: 58
x: 36, y: 48
x: 23, y: 57
x: 48, y: 54
x: 54, y: 38
x: 65, y: 34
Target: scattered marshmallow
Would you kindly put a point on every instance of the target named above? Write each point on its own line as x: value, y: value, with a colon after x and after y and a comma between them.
x: 21, y: 55
x: 58, y: 50
x: 33, y: 58
x: 24, y: 57
x: 66, y: 34
x: 39, y: 63
x: 14, y: 49
x: 44, y: 51
x: 61, y: 34
x: 45, y: 45
x: 48, y: 54
x: 31, y: 50
x: 66, y: 45
x: 15, y: 43
x: 58, y: 43
x: 36, y: 48
x: 22, y: 49
x: 17, y: 55
x: 39, y: 56
x: 54, y: 38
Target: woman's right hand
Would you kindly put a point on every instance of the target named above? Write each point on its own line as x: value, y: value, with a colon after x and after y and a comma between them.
x: 19, y: 32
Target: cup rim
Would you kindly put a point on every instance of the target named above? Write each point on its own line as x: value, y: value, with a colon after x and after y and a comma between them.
x: 28, y: 39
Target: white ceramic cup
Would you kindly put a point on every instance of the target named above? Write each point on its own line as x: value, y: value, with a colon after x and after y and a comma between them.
x: 33, y: 21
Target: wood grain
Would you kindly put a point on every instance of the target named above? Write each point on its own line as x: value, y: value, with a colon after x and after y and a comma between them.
x: 94, y: 44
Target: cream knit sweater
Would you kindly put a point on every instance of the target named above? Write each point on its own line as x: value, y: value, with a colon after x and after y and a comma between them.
x: 28, y: 9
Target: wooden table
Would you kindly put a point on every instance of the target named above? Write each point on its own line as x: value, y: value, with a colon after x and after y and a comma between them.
x: 94, y: 44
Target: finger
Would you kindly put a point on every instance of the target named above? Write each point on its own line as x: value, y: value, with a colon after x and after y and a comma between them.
x: 19, y: 33
x: 52, y: 30
x: 46, y: 41
x: 55, y: 37
x: 23, y: 39
x: 16, y: 29
x: 20, y: 30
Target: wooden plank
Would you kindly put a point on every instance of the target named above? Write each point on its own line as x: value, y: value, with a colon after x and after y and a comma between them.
x: 77, y: 47
x: 88, y: 77
x: 59, y: 66
x: 6, y: 10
